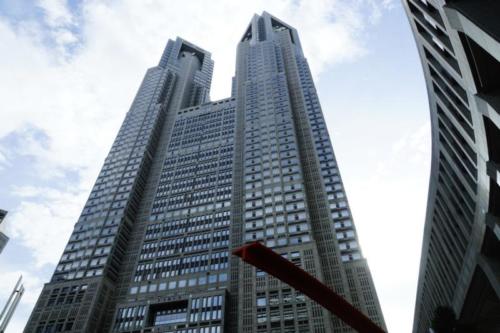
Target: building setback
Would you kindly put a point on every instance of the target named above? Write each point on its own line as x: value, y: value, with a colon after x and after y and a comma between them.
x: 188, y: 180
x: 3, y: 237
x: 459, y: 45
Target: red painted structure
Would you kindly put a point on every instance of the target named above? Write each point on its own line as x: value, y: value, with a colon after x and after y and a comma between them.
x: 269, y: 261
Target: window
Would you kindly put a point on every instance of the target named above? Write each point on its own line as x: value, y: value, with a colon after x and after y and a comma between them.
x: 170, y: 316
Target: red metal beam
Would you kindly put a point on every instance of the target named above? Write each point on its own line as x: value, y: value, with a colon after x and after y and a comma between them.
x: 269, y: 261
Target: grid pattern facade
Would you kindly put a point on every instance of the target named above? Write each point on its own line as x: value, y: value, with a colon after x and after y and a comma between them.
x: 184, y: 248
x: 292, y: 197
x: 458, y: 42
x: 188, y: 180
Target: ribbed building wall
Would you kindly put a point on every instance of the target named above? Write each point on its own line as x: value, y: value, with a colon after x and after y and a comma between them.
x: 459, y: 46
x: 294, y: 200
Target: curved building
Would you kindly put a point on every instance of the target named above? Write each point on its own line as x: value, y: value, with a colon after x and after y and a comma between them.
x: 459, y: 46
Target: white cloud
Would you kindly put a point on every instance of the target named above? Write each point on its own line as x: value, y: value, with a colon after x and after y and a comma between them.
x: 388, y: 204
x: 3, y: 159
x: 44, y: 220
x: 60, y: 22
x: 32, y: 288
x: 56, y: 12
x: 413, y: 146
x: 389, y: 4
x: 32, y: 285
x: 78, y: 104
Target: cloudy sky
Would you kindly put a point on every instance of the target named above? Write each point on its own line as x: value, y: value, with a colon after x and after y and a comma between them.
x: 69, y: 71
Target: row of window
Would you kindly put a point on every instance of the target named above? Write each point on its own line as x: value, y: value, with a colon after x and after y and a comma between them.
x: 67, y: 295
x: 191, y: 243
x: 152, y: 287
x: 190, y: 170
x: 339, y: 208
x: 187, y: 225
x: 130, y: 317
x: 55, y: 326
x: 176, y: 212
x: 180, y: 266
x: 197, y: 156
x: 206, y: 308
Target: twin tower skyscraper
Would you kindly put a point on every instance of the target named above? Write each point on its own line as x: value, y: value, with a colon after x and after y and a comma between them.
x: 188, y: 180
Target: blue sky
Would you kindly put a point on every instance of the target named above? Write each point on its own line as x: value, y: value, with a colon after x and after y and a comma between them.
x: 70, y: 71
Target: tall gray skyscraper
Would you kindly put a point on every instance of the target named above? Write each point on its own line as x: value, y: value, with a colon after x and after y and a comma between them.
x: 188, y: 180
x: 459, y: 45
x: 3, y: 237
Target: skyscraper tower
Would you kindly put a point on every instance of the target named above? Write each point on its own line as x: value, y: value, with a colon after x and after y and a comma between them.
x: 459, y: 46
x: 3, y: 237
x: 188, y: 180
